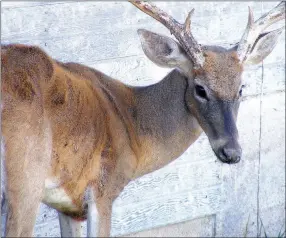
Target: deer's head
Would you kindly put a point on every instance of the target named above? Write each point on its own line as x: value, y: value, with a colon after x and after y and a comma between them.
x: 213, y: 73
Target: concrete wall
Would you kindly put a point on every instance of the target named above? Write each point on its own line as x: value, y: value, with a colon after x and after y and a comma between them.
x: 195, y: 195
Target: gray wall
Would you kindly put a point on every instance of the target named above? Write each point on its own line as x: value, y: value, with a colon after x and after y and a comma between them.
x: 198, y: 194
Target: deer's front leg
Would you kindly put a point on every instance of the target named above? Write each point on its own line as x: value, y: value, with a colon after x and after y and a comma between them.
x: 70, y: 227
x: 99, y: 216
x: 92, y: 218
x: 105, y: 211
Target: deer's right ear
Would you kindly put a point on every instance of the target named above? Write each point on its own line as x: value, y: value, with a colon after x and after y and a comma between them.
x: 263, y: 46
x: 164, y: 51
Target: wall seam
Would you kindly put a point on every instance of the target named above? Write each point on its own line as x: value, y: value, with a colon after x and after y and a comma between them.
x: 259, y: 151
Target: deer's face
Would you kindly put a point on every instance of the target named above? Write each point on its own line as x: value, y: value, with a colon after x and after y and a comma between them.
x: 214, y: 89
x: 213, y: 97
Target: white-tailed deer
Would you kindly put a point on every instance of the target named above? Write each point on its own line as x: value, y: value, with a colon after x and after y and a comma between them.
x: 74, y: 137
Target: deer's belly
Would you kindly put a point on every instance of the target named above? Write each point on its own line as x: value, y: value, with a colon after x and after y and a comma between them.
x: 56, y: 197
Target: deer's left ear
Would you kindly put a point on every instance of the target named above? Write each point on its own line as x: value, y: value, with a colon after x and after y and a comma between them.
x: 164, y: 51
x: 263, y: 46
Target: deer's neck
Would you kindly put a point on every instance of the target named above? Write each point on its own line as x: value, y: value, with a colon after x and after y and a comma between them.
x: 165, y: 126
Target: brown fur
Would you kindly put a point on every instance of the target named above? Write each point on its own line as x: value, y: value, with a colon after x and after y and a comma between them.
x: 221, y: 73
x: 84, y: 133
x: 84, y: 124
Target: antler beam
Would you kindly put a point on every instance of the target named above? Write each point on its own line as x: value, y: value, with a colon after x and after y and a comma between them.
x: 180, y: 31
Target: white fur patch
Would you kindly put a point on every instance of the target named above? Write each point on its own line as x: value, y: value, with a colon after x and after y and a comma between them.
x: 56, y: 196
x: 52, y: 183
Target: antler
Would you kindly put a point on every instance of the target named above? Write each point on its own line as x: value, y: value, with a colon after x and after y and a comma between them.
x: 254, y: 29
x: 180, y: 31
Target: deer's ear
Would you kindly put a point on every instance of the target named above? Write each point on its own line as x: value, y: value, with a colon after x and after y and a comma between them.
x: 163, y: 50
x: 263, y: 46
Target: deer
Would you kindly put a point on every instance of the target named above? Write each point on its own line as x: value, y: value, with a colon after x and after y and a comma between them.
x: 74, y: 137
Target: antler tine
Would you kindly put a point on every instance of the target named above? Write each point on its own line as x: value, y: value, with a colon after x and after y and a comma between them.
x: 254, y: 29
x: 250, y: 18
x: 181, y: 32
x: 187, y: 25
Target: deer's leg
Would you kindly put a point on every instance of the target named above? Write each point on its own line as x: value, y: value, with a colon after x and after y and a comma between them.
x: 92, y: 214
x: 27, y: 160
x: 70, y: 227
x: 25, y: 188
x: 24, y: 198
x: 101, y: 198
x: 104, y: 206
x: 4, y: 210
x: 99, y: 216
x: 92, y: 220
x: 4, y: 202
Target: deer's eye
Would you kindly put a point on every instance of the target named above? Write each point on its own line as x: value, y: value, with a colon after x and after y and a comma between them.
x: 201, y: 92
x: 240, y: 91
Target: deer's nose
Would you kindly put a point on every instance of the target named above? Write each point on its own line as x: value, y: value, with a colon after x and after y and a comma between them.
x: 230, y: 155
